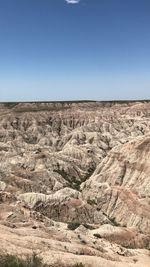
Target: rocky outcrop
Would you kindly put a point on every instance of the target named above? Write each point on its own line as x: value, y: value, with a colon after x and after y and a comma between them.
x: 74, y: 180
x: 120, y: 186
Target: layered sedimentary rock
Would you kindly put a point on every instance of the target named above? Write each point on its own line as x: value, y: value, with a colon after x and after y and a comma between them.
x: 75, y: 177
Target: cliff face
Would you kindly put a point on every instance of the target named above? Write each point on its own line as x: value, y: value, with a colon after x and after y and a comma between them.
x: 77, y: 175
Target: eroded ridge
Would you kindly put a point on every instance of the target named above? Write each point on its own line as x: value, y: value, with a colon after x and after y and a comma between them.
x: 75, y: 181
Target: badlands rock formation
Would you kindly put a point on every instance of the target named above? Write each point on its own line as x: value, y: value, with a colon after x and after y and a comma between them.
x: 75, y: 182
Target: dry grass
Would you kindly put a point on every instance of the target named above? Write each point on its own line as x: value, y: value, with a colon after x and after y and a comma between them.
x: 8, y: 260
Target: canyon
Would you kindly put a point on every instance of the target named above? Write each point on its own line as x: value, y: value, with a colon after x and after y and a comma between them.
x: 75, y: 182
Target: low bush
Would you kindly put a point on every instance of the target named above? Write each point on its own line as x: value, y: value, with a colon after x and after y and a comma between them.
x: 78, y: 265
x: 14, y: 261
x: 97, y: 235
x: 114, y: 222
x: 8, y: 260
x: 73, y: 225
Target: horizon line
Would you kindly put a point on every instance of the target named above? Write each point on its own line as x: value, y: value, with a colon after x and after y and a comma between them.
x: 75, y: 101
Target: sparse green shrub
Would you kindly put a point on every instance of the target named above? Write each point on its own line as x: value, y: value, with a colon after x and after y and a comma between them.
x: 83, y: 241
x: 114, y: 222
x: 76, y: 185
x: 73, y: 225
x: 91, y: 202
x: 97, y: 235
x: 88, y: 226
x: 14, y: 261
x: 78, y: 265
x: 8, y: 260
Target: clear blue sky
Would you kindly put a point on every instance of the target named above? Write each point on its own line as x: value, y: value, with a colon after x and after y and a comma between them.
x: 96, y: 49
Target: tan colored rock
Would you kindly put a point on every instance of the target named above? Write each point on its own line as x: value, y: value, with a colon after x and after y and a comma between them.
x: 75, y: 182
